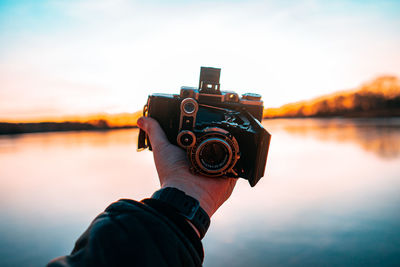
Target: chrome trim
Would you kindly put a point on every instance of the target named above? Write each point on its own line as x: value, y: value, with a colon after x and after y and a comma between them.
x: 215, y: 129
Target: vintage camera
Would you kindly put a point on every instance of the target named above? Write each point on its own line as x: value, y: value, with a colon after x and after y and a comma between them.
x: 220, y: 131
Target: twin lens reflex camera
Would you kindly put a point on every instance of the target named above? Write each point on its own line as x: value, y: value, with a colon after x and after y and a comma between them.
x: 220, y: 131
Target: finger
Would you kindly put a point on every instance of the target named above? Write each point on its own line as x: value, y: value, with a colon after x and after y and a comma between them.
x: 154, y: 131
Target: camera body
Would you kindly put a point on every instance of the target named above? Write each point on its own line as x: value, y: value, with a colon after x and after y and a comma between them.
x: 220, y: 131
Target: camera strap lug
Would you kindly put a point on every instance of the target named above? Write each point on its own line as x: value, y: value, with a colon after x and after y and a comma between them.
x: 143, y: 139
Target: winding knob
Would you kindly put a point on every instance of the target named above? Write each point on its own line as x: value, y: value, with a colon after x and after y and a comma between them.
x: 251, y: 96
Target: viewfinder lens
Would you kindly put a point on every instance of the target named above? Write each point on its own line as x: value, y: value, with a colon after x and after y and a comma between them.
x: 189, y: 107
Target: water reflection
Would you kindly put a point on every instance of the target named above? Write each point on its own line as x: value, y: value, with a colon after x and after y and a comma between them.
x: 324, y: 200
x: 379, y: 136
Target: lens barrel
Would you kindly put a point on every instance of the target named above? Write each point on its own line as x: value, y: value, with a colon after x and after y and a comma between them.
x: 215, y: 153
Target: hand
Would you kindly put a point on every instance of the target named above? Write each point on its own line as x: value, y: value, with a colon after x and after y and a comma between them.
x: 173, y: 170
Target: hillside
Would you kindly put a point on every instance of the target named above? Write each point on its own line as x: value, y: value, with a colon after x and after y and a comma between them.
x: 378, y: 98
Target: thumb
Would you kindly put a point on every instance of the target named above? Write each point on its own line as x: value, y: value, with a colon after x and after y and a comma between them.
x: 153, y: 129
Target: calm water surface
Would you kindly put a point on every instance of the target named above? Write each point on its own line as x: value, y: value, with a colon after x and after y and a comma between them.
x: 330, y: 197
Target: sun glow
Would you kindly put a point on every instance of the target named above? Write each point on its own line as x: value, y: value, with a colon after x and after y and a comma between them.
x: 59, y: 58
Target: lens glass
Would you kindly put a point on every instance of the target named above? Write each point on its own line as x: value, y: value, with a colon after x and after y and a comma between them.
x: 214, y: 154
x: 189, y: 107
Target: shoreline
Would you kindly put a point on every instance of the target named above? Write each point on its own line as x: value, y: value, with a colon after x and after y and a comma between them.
x: 52, y: 127
x: 7, y: 128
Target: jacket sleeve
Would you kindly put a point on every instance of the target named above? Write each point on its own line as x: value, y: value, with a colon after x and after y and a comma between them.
x: 130, y: 233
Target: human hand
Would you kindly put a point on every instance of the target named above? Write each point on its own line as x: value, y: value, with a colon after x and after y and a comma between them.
x: 173, y: 170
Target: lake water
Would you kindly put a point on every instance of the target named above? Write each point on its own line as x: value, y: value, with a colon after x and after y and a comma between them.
x: 330, y: 196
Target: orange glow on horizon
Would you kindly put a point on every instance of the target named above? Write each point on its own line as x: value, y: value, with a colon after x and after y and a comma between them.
x: 365, y: 99
x: 112, y: 120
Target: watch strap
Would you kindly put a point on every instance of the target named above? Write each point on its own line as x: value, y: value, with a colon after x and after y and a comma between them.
x: 185, y: 205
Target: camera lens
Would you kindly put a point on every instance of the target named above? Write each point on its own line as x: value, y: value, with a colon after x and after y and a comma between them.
x: 189, y: 107
x: 214, y: 155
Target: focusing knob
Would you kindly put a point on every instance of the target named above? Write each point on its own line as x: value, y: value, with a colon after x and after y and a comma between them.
x: 186, y: 139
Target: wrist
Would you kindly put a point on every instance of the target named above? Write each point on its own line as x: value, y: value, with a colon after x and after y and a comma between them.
x: 196, y: 192
x: 186, y: 206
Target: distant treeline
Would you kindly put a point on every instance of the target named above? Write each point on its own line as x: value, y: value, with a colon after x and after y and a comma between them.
x: 18, y: 128
x: 369, y: 105
x: 379, y: 98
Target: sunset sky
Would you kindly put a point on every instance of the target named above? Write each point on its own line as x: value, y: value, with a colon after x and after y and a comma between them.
x: 82, y: 57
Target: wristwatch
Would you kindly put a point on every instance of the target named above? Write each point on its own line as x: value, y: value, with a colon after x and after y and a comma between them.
x: 185, y: 205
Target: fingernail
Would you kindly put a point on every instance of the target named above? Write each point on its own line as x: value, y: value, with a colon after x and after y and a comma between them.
x: 140, y: 122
